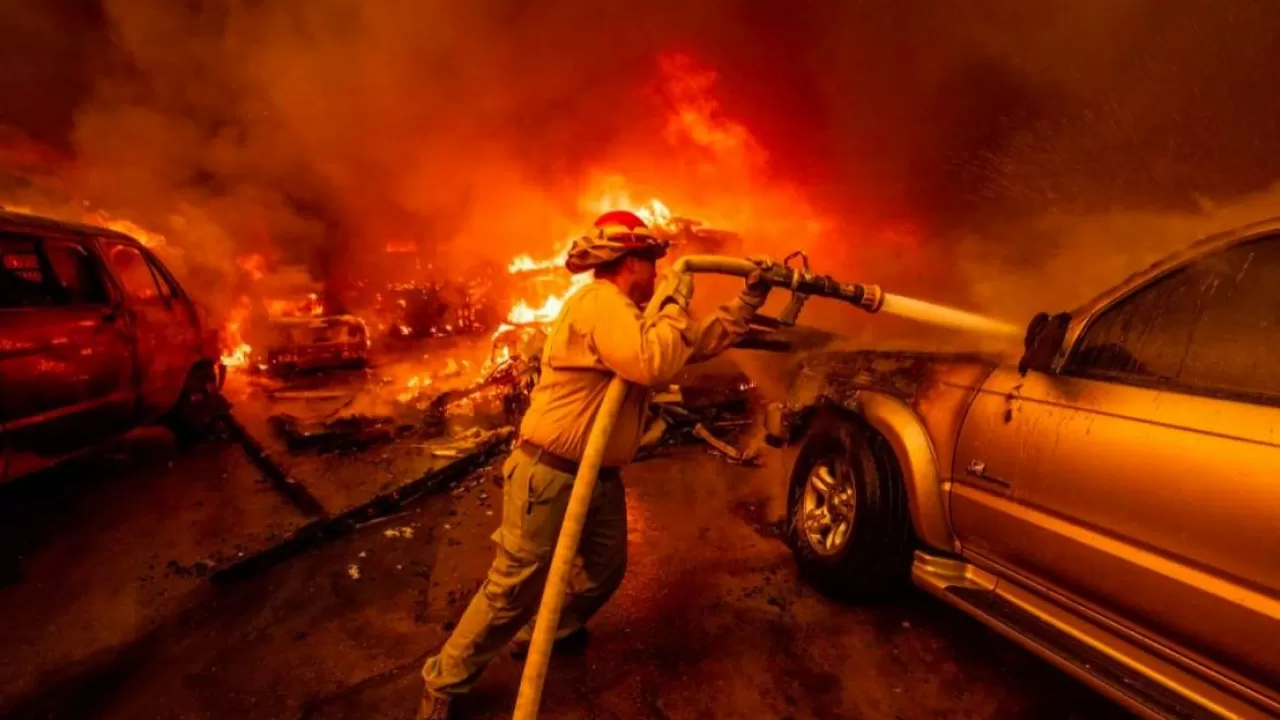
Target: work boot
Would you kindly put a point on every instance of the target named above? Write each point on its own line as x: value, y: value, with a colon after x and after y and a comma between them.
x: 435, y: 708
x: 575, y: 643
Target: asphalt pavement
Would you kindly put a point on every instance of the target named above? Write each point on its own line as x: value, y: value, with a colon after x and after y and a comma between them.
x: 107, y: 614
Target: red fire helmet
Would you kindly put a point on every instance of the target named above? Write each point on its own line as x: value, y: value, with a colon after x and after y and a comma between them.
x: 613, y: 235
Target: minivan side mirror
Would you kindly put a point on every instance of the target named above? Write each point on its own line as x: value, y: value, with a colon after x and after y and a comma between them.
x: 1045, y: 335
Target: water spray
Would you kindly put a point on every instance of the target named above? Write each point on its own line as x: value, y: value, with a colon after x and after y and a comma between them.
x: 791, y: 274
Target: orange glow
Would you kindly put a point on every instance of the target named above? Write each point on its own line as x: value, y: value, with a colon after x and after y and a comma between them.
x: 524, y: 262
x: 414, y: 387
x: 235, y: 351
x: 142, y: 235
x: 253, y: 264
x: 709, y: 171
x: 550, y: 272
x: 697, y: 118
x: 309, y: 306
x: 524, y: 313
x: 402, y: 246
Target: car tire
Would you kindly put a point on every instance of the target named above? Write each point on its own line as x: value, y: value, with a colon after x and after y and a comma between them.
x: 200, y: 407
x: 854, y: 541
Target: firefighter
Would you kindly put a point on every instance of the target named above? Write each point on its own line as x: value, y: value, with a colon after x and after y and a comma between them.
x: 599, y: 333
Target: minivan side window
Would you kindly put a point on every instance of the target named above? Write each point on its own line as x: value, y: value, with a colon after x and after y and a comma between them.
x: 75, y: 273
x: 131, y: 268
x: 1210, y: 327
x: 23, y: 280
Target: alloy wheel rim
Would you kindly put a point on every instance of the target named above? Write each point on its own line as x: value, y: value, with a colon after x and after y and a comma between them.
x: 828, y: 508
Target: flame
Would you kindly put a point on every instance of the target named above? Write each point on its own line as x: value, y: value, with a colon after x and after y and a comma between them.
x: 310, y: 305
x: 655, y: 215
x: 235, y: 351
x: 139, y: 233
x: 714, y: 173
x: 546, y: 309
x: 524, y: 262
x: 523, y: 313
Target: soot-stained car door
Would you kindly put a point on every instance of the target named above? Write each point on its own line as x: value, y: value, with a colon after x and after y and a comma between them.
x: 1142, y: 480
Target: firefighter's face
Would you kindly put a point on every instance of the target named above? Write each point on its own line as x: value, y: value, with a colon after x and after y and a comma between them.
x: 644, y: 276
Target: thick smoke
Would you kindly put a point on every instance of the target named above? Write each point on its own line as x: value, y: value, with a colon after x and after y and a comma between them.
x: 1007, y: 156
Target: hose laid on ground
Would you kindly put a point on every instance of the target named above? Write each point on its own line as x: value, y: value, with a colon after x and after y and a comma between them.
x: 575, y: 516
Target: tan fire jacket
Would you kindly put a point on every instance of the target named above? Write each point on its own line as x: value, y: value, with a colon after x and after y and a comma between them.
x: 600, y: 332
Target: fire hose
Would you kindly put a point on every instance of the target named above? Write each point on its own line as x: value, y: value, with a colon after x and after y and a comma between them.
x: 802, y: 284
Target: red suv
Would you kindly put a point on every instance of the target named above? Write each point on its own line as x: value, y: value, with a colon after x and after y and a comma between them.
x: 96, y: 337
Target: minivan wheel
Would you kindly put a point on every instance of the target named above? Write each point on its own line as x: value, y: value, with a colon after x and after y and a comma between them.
x: 199, y: 407
x: 850, y: 527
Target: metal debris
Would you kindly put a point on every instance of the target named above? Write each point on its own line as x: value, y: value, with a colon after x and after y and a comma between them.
x: 714, y: 414
x: 345, y: 433
x: 746, y: 456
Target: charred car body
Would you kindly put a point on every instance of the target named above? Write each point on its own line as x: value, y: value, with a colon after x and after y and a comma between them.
x: 1110, y: 502
x: 315, y: 343
x: 96, y: 337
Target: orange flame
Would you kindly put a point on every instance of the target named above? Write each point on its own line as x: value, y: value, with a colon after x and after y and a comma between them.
x: 309, y: 306
x: 236, y: 351
x: 141, y: 234
x: 550, y: 271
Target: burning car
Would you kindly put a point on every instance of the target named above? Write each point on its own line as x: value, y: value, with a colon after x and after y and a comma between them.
x: 96, y: 337
x: 1109, y: 502
x: 302, y: 343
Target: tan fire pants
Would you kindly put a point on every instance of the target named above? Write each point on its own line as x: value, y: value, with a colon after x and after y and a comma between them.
x: 534, y: 498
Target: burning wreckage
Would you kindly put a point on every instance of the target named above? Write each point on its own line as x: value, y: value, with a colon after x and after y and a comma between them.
x: 335, y: 387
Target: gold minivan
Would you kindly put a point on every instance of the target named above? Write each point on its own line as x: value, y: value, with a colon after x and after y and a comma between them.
x: 1111, y: 501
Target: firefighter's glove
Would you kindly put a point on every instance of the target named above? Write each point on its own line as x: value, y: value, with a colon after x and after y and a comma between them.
x: 756, y: 292
x: 675, y: 287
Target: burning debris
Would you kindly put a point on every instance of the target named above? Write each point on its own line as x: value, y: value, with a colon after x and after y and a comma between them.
x: 433, y: 310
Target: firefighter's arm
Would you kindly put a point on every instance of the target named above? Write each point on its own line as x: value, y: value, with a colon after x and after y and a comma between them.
x: 645, y: 351
x: 731, y: 321
x: 717, y: 333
